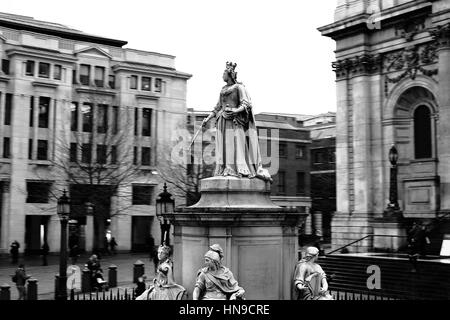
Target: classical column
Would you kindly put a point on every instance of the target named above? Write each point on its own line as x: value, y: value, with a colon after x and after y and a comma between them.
x: 35, y: 126
x: 4, y: 240
x: 442, y: 36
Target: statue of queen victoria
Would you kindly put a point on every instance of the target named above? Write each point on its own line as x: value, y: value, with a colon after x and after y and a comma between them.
x: 237, y: 148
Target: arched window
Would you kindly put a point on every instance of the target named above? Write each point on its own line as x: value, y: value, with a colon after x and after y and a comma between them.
x: 422, y: 133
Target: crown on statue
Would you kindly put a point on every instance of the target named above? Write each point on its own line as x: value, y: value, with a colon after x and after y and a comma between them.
x: 231, y: 66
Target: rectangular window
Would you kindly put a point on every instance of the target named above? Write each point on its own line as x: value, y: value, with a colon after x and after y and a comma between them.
x: 136, y: 115
x: 44, y: 111
x: 101, y: 153
x: 281, y: 182
x: 38, y: 192
x: 146, y: 122
x: 8, y: 109
x: 112, y: 81
x: 57, y: 72
x: 300, y: 152
x: 135, y: 155
x: 133, y: 82
x: 146, y: 83
x: 31, y: 111
x: 283, y: 150
x: 30, y: 149
x: 115, y: 120
x: 331, y: 156
x: 29, y: 68
x: 86, y: 153
x: 146, y: 156
x: 42, y: 150
x: 5, y: 66
x: 99, y: 76
x: 73, y: 152
x: 44, y: 70
x: 86, y: 111
x: 102, y: 118
x: 113, y: 154
x: 319, y: 157
x: 300, y: 182
x: 74, y: 76
x: 85, y: 74
x: 6, y: 148
x: 158, y: 85
x: 142, y: 195
x: 74, y: 116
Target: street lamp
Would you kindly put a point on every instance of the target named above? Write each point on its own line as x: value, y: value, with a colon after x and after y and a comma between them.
x: 393, y: 194
x: 164, y: 205
x: 63, y: 210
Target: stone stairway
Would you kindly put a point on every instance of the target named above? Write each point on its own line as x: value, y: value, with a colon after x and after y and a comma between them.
x: 349, y: 273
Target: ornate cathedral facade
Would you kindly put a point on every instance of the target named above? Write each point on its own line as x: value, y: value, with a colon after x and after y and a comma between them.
x: 393, y: 88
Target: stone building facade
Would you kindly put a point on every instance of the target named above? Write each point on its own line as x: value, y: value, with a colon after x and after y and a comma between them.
x: 392, y: 77
x: 109, y: 106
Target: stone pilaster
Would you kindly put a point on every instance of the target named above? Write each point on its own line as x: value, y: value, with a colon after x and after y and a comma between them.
x: 442, y: 37
x: 4, y: 240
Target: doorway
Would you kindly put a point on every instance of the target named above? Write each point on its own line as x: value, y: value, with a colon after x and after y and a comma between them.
x: 36, y: 230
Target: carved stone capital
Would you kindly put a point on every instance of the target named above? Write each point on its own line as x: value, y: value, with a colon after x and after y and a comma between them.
x: 441, y: 35
x: 365, y: 64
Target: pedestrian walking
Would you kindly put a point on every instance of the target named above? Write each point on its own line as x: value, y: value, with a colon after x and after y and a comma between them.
x: 14, y: 250
x: 20, y: 278
x: 94, y: 266
x: 74, y: 253
x: 106, y: 246
x: 113, y: 245
x: 44, y: 252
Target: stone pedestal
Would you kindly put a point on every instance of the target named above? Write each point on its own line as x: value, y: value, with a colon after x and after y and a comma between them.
x: 389, y: 233
x: 259, y: 239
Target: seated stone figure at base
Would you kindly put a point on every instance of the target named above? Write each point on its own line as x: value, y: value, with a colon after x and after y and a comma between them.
x: 309, y: 278
x: 164, y: 286
x: 214, y: 281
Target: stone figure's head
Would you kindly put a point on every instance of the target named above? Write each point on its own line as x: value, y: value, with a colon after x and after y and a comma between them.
x: 312, y: 254
x: 230, y: 72
x: 212, y: 260
x: 163, y: 252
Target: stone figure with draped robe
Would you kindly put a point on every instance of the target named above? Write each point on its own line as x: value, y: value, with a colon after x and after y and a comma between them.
x: 163, y: 286
x: 237, y: 148
x: 214, y: 281
x: 309, y: 278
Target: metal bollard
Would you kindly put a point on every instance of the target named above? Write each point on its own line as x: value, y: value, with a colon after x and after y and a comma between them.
x: 32, y: 289
x: 86, y: 280
x: 56, y: 286
x: 5, y: 293
x: 112, y: 276
x: 138, y: 270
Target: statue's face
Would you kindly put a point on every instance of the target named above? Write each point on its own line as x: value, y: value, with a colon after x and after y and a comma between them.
x: 209, y: 263
x: 225, y: 76
x: 161, y: 254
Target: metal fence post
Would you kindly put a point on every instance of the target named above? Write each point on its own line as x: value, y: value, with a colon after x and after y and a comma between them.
x: 112, y: 276
x: 138, y: 270
x: 5, y: 293
x: 32, y: 289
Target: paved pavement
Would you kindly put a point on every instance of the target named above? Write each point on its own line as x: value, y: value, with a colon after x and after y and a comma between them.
x: 46, y: 274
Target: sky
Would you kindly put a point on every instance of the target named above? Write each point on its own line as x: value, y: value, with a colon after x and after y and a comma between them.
x: 281, y: 58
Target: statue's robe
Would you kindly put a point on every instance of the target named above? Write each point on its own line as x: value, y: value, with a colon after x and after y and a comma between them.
x: 237, y: 148
x: 220, y: 285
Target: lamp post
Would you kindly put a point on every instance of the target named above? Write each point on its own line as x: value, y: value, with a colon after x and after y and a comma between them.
x: 393, y: 194
x: 63, y: 210
x: 164, y: 205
